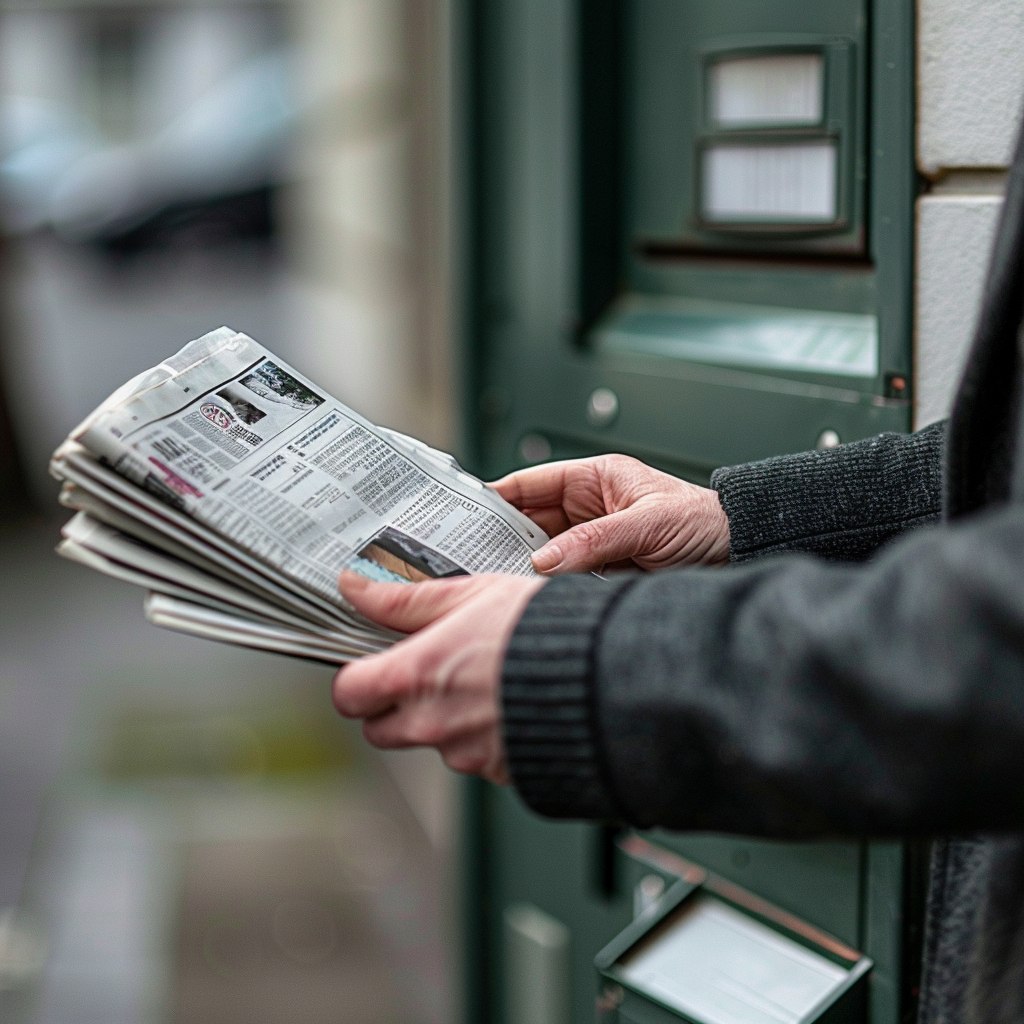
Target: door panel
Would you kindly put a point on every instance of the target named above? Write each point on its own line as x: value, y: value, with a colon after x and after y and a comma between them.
x: 588, y: 124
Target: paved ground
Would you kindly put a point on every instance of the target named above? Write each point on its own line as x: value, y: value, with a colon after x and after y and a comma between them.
x: 192, y: 830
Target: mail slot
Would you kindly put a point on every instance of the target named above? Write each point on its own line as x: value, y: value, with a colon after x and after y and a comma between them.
x: 747, y: 127
x: 709, y: 952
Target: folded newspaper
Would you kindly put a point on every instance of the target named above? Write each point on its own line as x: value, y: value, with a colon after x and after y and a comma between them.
x: 234, y: 490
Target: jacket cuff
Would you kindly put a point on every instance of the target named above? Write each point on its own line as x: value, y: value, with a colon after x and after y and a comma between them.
x: 549, y: 716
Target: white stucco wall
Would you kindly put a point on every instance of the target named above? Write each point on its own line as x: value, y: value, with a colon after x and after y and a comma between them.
x: 971, y: 75
x: 971, y: 89
x: 954, y: 236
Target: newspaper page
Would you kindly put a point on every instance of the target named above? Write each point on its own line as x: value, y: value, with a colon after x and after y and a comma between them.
x: 243, y: 443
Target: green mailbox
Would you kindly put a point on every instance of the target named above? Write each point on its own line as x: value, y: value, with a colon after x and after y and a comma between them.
x: 689, y: 236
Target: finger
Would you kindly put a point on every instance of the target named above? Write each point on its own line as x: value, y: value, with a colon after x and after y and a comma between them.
x: 421, y: 723
x: 375, y: 684
x: 587, y: 547
x: 470, y: 747
x: 550, y: 520
x: 364, y: 702
x: 405, y: 607
x: 536, y: 487
x: 412, y: 724
x: 478, y: 754
x: 390, y: 731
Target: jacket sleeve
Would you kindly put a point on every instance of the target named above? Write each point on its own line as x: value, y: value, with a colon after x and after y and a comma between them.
x: 843, y: 503
x: 790, y: 697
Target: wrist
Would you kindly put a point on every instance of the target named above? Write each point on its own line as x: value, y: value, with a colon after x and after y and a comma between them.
x: 718, y: 552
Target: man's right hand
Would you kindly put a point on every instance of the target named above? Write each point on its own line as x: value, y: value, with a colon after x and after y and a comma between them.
x: 612, y: 510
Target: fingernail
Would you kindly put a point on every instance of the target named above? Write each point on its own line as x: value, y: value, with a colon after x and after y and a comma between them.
x: 547, y: 558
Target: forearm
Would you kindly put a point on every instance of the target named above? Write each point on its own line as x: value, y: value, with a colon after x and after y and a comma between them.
x: 790, y: 698
x: 842, y: 504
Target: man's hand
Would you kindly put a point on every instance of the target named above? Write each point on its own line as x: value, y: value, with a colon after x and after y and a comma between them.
x: 611, y: 509
x: 439, y: 687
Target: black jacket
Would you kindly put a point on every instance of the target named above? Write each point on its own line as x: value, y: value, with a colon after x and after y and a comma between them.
x: 867, y: 682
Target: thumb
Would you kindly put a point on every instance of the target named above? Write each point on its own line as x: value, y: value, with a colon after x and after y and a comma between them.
x: 405, y: 607
x: 587, y: 547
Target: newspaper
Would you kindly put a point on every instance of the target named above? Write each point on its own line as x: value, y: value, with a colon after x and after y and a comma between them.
x: 235, y: 490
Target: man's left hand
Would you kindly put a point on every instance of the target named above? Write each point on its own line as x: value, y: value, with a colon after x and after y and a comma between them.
x: 440, y: 686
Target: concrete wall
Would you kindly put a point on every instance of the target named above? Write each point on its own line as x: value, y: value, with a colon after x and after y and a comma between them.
x: 370, y: 241
x: 971, y: 84
x: 971, y: 76
x: 369, y: 209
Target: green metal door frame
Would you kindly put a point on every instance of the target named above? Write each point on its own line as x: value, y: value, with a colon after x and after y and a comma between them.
x: 561, y: 137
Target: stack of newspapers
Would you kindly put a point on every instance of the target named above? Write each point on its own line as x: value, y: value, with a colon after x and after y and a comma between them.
x: 235, y: 491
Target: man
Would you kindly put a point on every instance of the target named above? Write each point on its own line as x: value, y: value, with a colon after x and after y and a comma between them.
x: 869, y: 682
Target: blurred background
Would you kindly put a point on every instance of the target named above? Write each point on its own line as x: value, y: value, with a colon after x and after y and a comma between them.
x: 188, y: 833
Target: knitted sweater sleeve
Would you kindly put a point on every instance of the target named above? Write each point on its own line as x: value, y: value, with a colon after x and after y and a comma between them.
x: 842, y: 504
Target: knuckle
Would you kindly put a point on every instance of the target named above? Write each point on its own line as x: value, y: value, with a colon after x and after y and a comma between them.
x: 587, y: 536
x: 616, y: 463
x: 399, y: 680
x: 398, y: 598
x: 446, y: 586
x: 454, y: 590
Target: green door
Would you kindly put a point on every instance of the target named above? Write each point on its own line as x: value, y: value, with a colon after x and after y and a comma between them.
x: 689, y: 239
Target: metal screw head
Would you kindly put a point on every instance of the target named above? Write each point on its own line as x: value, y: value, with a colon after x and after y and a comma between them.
x: 535, y: 448
x: 646, y: 894
x: 652, y: 886
x: 827, y: 439
x: 602, y: 407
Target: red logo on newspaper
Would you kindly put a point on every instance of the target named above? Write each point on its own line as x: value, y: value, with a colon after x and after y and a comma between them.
x: 216, y: 415
x: 174, y: 481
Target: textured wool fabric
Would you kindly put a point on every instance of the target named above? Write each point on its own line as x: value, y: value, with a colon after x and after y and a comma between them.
x: 549, y: 721
x: 795, y: 696
x: 843, y: 503
x: 960, y: 878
